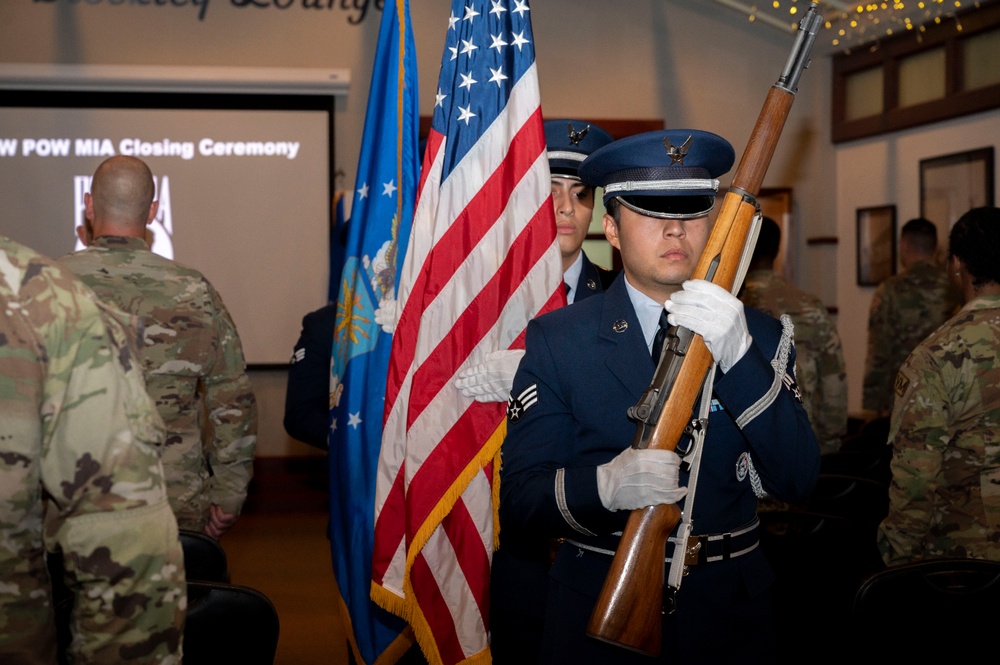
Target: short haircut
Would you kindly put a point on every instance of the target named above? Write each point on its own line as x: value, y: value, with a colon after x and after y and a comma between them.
x: 123, y: 190
x: 922, y: 235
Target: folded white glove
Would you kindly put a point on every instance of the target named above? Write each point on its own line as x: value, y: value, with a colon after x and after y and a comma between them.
x: 638, y: 478
x: 491, y: 380
x: 387, y: 314
x: 714, y: 313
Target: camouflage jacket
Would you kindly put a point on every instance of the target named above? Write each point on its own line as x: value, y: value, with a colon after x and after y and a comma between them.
x: 905, y: 309
x: 819, y: 364
x: 80, y: 474
x: 192, y: 354
x: 944, y: 500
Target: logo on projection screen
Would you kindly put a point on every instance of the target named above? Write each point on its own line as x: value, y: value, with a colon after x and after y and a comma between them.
x: 159, y: 232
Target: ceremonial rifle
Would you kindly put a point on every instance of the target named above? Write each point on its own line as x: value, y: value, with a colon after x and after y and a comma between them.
x: 628, y: 611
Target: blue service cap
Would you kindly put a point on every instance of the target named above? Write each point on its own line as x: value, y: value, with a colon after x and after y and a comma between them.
x: 569, y: 142
x: 666, y: 173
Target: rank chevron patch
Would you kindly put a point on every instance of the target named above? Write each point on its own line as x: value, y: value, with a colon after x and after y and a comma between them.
x: 517, y: 405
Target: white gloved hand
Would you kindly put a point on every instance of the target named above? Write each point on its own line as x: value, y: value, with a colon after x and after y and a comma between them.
x: 387, y: 314
x: 638, y: 478
x: 714, y: 313
x: 491, y: 380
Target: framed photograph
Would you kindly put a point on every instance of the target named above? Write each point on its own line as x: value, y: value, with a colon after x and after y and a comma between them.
x: 951, y: 185
x: 876, y: 244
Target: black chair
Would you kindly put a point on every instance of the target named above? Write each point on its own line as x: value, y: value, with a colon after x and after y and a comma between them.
x: 228, y: 623
x: 870, y: 464
x: 929, y: 610
x: 851, y: 497
x: 877, y: 428
x: 819, y: 561
x: 873, y: 436
x: 204, y: 558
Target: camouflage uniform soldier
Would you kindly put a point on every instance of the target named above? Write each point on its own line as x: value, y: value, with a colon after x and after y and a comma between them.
x: 906, y: 309
x: 192, y: 353
x: 819, y: 364
x: 80, y: 474
x: 944, y: 500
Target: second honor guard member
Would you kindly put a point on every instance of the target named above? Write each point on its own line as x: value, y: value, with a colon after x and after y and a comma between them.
x: 569, y: 470
x: 568, y: 143
x: 519, y: 574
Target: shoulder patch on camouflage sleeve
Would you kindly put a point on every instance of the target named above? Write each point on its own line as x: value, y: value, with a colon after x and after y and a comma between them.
x: 901, y: 384
x: 517, y: 405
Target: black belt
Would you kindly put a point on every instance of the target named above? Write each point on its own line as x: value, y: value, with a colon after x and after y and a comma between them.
x: 723, y: 546
x: 707, y: 548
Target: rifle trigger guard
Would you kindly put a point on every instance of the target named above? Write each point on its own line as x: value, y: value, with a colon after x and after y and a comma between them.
x: 686, y: 444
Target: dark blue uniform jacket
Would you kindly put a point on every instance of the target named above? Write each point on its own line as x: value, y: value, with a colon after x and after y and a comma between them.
x: 307, y: 397
x: 584, y: 366
x: 593, y: 279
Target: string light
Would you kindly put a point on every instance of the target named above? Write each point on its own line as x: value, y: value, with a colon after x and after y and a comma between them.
x: 848, y: 25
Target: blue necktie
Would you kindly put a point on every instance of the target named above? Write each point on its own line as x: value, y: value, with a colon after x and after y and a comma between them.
x: 660, y: 335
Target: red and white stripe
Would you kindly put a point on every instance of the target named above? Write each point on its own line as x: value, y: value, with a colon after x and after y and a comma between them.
x: 482, y: 261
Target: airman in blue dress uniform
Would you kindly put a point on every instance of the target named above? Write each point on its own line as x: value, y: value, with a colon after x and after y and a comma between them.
x: 519, y: 573
x: 568, y: 470
x: 568, y: 142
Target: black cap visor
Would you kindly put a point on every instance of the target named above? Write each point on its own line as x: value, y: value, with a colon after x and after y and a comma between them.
x: 669, y: 207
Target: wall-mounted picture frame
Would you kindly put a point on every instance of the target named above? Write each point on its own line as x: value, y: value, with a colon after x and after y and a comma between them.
x: 951, y: 185
x: 876, y: 244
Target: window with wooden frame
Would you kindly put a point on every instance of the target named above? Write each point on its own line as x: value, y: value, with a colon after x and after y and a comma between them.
x: 943, y: 71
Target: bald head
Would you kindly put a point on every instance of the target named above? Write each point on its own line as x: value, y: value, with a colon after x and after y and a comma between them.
x: 121, y: 197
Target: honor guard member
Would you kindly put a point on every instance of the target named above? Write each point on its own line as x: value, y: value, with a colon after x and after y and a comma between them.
x: 568, y: 470
x: 519, y: 574
x: 568, y: 143
x: 307, y: 396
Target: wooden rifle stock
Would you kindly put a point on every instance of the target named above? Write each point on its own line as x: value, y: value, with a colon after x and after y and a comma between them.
x: 629, y: 609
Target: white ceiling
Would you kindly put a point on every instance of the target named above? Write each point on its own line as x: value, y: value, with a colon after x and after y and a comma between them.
x: 845, y: 28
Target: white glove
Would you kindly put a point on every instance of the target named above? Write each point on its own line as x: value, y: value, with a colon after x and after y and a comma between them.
x: 714, y: 313
x: 638, y: 478
x: 387, y: 314
x: 490, y: 381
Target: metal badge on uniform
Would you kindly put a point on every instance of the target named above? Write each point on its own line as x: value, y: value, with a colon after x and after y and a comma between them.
x: 676, y: 154
x: 592, y: 285
x: 576, y: 136
x: 743, y: 466
x: 519, y: 404
x: 620, y: 326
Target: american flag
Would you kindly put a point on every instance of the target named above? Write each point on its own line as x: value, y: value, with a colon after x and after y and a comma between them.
x: 482, y: 261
